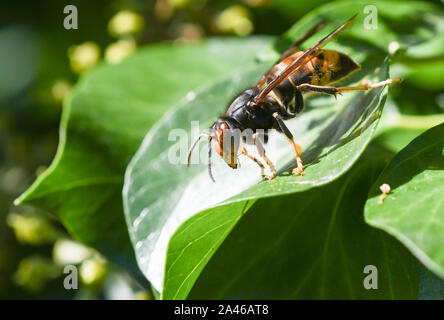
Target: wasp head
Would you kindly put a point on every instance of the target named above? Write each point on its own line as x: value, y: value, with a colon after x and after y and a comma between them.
x: 225, y: 137
x: 226, y: 140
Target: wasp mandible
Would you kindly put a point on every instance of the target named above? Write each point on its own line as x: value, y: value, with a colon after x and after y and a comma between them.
x: 277, y: 96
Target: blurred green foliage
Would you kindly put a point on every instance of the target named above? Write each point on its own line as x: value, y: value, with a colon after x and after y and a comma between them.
x: 40, y: 61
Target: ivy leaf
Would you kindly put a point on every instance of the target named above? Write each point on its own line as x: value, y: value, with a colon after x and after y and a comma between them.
x: 315, y: 245
x: 413, y: 212
x: 161, y: 193
x: 396, y: 130
x: 103, y: 123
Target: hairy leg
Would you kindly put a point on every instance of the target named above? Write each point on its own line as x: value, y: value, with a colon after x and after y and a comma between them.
x: 245, y: 153
x: 334, y: 91
x: 261, y: 151
x: 297, y: 148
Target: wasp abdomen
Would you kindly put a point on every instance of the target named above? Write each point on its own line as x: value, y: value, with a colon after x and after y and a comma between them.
x: 327, y: 67
x: 331, y: 66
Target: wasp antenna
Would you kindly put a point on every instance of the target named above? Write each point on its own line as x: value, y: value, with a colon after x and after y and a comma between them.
x: 209, y: 159
x: 193, y: 146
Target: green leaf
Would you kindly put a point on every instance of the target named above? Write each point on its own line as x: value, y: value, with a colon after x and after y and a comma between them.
x: 103, y: 123
x: 160, y: 194
x: 413, y: 211
x: 397, y: 130
x: 314, y: 245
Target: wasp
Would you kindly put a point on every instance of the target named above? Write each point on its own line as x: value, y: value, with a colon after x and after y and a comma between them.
x: 277, y: 96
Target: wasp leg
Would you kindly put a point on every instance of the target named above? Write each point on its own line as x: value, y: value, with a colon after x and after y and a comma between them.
x: 245, y: 153
x: 297, y: 148
x: 334, y: 91
x: 298, y: 103
x: 367, y: 85
x: 261, y: 150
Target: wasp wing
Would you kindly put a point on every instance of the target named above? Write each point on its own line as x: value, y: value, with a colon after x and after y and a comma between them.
x: 298, y: 63
x: 294, y: 48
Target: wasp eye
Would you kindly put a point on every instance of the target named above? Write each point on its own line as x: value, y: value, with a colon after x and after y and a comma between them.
x: 223, y: 126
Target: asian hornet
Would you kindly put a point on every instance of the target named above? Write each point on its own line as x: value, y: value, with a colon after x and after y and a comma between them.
x: 277, y: 96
